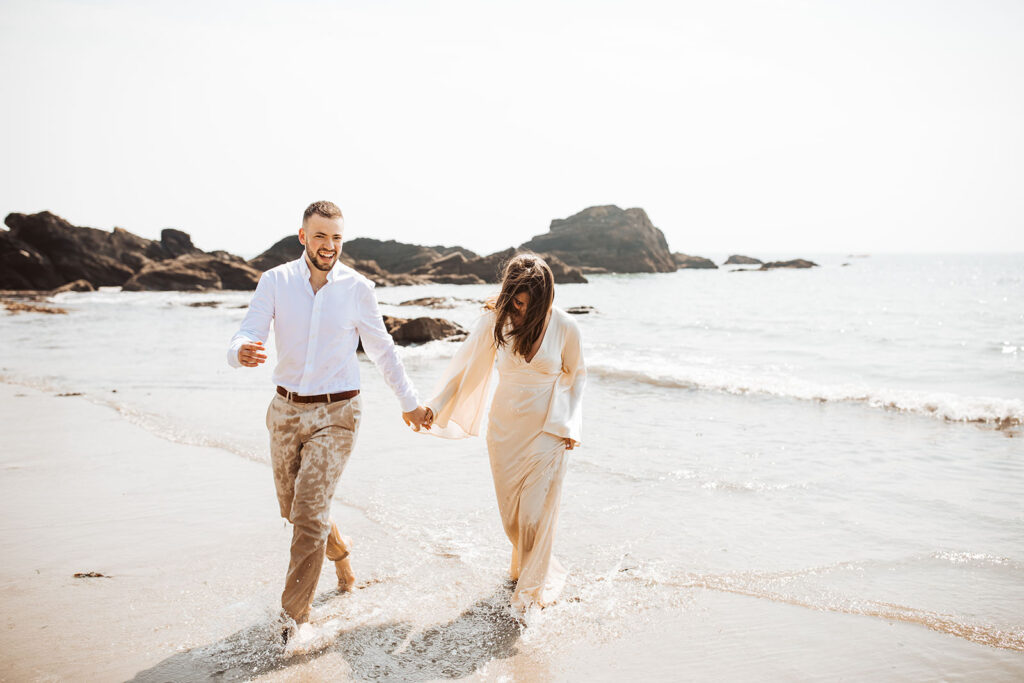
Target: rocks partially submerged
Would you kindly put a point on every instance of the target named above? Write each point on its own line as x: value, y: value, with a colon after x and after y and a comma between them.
x: 795, y: 263
x: 737, y: 259
x: 740, y: 260
x: 685, y: 261
x: 44, y: 252
x: 14, y: 306
x: 406, y: 331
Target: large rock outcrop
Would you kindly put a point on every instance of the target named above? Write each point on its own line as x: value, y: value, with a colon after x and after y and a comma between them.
x: 103, y: 258
x: 622, y: 241
x: 195, y: 272
x: 43, y: 251
x: 22, y: 266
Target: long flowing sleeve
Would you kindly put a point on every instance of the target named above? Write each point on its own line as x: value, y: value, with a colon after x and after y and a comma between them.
x: 565, y: 413
x: 460, y: 396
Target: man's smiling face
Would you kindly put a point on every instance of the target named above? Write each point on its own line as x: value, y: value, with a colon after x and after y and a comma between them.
x: 322, y: 238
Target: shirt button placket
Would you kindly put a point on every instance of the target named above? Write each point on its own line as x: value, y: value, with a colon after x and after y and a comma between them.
x: 308, y: 374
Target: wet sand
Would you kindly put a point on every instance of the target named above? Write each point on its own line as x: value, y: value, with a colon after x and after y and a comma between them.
x: 193, y: 552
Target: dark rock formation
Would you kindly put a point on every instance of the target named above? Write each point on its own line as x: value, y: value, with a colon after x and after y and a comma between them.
x: 195, y: 272
x: 284, y: 250
x: 581, y: 310
x: 445, y: 251
x: 177, y: 243
x: 103, y: 258
x: 22, y: 266
x: 421, y: 330
x: 488, y: 268
x: 740, y: 260
x: 76, y: 286
x: 696, y: 262
x: 45, y: 251
x: 399, y: 257
x: 289, y: 248
x: 607, y: 237
x: 795, y: 263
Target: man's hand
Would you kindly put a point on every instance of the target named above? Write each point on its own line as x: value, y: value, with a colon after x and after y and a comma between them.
x: 252, y: 354
x: 418, y: 418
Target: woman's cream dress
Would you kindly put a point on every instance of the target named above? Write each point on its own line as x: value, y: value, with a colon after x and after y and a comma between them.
x: 536, y: 406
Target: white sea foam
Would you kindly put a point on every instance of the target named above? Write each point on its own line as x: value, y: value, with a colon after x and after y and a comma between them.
x: 947, y: 406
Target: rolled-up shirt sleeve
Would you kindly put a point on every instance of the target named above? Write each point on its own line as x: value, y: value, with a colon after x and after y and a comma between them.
x: 256, y: 323
x: 380, y: 347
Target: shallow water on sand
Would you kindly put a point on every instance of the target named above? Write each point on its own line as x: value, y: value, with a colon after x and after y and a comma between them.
x: 786, y: 474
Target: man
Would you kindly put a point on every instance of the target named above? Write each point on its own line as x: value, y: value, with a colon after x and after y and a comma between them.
x: 320, y: 309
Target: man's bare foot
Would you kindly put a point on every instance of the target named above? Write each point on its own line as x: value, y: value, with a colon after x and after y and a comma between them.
x: 346, y: 577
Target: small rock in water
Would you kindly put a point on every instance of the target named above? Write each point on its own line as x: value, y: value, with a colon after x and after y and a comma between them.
x: 22, y: 307
x: 581, y: 310
x: 91, y: 575
x: 70, y: 393
x: 430, y: 302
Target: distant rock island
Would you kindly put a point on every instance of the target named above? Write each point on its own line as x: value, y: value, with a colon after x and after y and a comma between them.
x: 43, y: 251
x: 740, y: 260
x: 607, y: 237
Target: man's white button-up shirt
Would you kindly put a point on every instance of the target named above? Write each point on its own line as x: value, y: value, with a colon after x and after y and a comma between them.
x: 316, y: 335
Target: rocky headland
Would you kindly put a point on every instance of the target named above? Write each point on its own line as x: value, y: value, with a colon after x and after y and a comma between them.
x: 47, y: 253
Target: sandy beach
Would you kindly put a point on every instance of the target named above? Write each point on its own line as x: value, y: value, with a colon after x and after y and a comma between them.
x: 192, y: 554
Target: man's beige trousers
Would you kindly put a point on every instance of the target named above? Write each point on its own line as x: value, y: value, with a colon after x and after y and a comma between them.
x: 310, y: 444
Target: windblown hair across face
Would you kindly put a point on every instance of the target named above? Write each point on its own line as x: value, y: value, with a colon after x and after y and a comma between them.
x: 523, y: 273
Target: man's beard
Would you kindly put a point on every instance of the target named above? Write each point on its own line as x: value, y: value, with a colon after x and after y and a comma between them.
x: 318, y: 261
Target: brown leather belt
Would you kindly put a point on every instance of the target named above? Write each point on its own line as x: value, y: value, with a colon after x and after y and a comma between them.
x: 319, y: 398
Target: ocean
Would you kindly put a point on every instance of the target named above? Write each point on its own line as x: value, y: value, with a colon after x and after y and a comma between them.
x: 780, y: 471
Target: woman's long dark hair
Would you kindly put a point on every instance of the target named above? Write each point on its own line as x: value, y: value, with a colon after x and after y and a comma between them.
x: 524, y: 273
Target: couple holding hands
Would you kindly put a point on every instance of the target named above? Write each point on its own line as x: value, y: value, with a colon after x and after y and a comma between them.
x: 320, y: 310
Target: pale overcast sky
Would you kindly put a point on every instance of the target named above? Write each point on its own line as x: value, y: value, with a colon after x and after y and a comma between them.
x: 739, y: 125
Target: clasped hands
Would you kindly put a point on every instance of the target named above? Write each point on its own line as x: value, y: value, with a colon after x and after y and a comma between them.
x: 421, y: 416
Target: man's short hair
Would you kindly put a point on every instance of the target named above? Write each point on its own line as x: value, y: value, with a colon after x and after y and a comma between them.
x: 325, y: 209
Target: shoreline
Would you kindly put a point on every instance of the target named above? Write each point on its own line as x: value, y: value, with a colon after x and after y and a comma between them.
x: 192, y: 550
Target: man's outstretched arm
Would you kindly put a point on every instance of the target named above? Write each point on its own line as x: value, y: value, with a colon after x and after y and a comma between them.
x: 246, y: 348
x: 380, y: 347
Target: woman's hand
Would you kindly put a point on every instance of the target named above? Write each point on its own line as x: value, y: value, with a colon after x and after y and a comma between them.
x: 428, y: 420
x: 569, y: 443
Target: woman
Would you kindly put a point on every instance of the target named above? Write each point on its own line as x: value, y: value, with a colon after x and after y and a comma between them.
x: 535, y: 416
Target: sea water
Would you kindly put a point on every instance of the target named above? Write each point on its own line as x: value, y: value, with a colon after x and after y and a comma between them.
x: 815, y: 453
